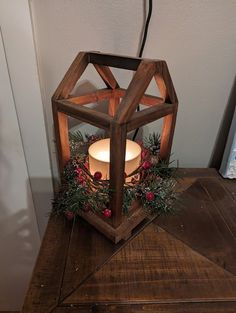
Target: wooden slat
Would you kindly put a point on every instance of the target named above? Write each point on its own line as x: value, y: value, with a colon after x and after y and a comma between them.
x: 199, y: 225
x: 211, y: 307
x: 92, y: 97
x: 146, y: 99
x: 154, y: 267
x: 85, y: 114
x: 164, y: 83
x: 61, y: 136
x: 107, y: 76
x: 135, y: 91
x: 9, y: 311
x: 225, y: 205
x: 166, y: 87
x: 89, y: 250
x: 198, y: 172
x: 45, y: 285
x: 73, y: 309
x: 113, y: 105
x: 117, y: 166
x: 153, y: 272
x: 167, y: 134
x: 230, y: 186
x: 216, y: 307
x: 117, y: 61
x: 71, y: 77
x: 149, y: 115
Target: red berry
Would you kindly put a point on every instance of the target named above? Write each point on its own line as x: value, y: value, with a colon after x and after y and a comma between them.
x: 78, y: 171
x: 150, y: 196
x: 80, y: 179
x: 146, y: 165
x: 69, y: 215
x: 97, y: 175
x: 107, y: 213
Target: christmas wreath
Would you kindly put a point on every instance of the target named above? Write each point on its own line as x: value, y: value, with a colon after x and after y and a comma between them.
x: 152, y: 184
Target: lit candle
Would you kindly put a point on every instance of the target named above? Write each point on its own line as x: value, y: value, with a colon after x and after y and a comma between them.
x: 99, y: 157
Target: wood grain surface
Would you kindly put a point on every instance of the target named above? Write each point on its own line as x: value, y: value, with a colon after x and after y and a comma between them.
x: 44, y: 289
x: 184, y: 263
x: 155, y: 267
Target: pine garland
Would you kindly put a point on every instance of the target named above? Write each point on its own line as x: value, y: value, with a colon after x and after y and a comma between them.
x: 152, y: 184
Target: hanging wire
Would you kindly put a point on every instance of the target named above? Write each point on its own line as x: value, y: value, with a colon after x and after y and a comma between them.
x: 142, y: 47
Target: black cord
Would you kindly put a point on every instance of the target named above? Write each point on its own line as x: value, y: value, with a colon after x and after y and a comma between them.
x: 142, y: 47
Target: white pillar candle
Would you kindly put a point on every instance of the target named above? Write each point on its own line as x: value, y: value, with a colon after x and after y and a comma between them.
x: 99, y: 157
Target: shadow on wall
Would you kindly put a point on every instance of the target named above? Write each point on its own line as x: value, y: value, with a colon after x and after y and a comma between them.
x: 42, y: 197
x: 19, y: 244
x: 82, y: 88
x: 223, y: 132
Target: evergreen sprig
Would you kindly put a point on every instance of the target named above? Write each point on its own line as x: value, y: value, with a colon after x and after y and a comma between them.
x: 152, y: 184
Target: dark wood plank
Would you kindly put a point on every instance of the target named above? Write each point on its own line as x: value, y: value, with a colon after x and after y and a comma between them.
x: 117, y: 61
x: 135, y: 91
x: 199, y: 225
x: 226, y: 205
x: 9, y: 311
x: 85, y: 114
x: 198, y: 172
x: 225, y: 307
x: 212, y: 307
x: 155, y: 267
x: 45, y: 285
x: 230, y: 185
x: 89, y: 250
x: 73, y: 309
x: 135, y: 277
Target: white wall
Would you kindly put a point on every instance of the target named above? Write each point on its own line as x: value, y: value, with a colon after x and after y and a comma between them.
x: 196, y: 37
x: 25, y: 175
x: 19, y: 237
x: 15, y: 21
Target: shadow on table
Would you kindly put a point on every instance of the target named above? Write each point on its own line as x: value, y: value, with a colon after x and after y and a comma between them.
x: 223, y: 132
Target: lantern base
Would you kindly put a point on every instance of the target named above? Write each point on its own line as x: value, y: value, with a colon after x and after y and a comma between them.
x: 123, y: 231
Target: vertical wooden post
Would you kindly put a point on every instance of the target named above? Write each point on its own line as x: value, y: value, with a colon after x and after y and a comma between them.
x: 167, y: 91
x: 117, y: 166
x: 113, y: 105
x: 61, y: 136
x: 167, y: 135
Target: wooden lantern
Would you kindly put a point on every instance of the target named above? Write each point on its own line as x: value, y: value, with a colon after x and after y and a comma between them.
x: 120, y: 119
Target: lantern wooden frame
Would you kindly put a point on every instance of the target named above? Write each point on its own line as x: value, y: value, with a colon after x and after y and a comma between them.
x: 121, y: 118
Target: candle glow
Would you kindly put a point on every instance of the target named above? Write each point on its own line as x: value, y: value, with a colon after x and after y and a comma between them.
x: 99, y: 157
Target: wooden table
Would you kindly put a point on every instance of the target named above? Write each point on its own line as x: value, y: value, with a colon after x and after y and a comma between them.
x: 185, y: 263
